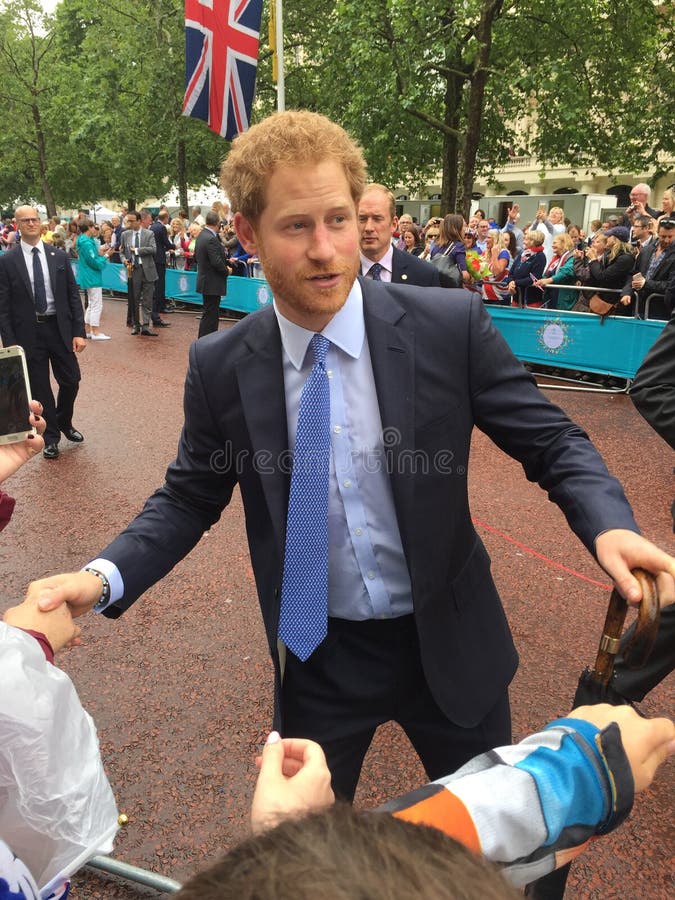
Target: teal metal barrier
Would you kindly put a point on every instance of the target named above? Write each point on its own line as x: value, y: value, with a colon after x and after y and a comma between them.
x: 614, y: 346
x: 243, y: 294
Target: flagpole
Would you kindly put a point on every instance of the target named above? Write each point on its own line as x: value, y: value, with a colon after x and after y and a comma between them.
x: 279, y: 50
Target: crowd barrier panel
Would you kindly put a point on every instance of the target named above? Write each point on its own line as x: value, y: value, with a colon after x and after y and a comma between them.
x: 652, y: 298
x: 244, y: 295
x: 614, y: 346
x: 134, y: 874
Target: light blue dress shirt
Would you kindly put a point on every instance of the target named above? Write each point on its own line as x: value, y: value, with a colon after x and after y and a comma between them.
x: 367, y: 573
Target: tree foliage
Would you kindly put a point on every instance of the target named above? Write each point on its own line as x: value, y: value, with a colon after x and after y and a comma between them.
x: 110, y: 96
x: 94, y: 94
x: 457, y: 87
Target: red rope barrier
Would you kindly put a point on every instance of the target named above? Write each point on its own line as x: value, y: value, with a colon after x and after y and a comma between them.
x: 546, y: 559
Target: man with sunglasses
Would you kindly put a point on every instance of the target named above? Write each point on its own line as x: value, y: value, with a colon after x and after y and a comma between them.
x: 653, y: 268
x: 40, y: 309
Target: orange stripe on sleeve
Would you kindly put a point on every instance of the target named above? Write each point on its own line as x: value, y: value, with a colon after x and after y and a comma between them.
x: 446, y: 812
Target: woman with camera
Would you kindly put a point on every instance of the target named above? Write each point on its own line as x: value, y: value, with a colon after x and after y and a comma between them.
x: 608, y: 269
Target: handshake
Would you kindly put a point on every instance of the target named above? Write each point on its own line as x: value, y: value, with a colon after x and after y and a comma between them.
x: 57, y: 625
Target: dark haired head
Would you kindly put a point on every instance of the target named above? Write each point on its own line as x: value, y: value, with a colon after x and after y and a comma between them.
x: 452, y: 228
x: 340, y: 854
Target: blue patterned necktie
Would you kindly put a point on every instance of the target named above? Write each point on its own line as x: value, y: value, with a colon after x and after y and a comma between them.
x: 374, y: 271
x: 39, y: 289
x: 304, y: 594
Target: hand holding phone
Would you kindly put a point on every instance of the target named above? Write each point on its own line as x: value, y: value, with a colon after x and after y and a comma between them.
x: 15, y: 396
x: 14, y: 455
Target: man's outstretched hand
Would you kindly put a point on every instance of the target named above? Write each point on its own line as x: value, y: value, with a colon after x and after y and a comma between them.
x: 618, y: 551
x: 80, y: 590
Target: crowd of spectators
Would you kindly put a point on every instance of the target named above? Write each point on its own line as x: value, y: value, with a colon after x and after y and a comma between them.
x: 626, y: 258
x: 183, y: 230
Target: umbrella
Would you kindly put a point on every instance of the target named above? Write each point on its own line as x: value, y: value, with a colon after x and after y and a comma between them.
x: 594, y: 684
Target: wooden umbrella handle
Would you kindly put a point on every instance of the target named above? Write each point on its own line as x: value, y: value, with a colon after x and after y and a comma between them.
x: 637, y: 650
x: 647, y: 626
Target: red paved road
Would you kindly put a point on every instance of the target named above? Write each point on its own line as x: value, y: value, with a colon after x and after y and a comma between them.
x: 180, y: 686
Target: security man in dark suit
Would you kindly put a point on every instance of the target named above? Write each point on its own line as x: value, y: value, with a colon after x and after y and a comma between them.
x: 41, y: 310
x: 158, y: 228
x: 653, y: 393
x: 380, y: 260
x: 212, y: 272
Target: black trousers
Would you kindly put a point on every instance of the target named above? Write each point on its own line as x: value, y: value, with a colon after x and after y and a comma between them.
x: 368, y: 673
x: 209, y: 319
x: 159, y: 297
x: 49, y: 350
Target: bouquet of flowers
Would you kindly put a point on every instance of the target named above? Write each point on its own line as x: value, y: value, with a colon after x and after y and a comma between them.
x: 477, y: 266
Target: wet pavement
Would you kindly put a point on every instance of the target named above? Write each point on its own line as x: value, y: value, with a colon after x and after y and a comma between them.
x: 180, y: 686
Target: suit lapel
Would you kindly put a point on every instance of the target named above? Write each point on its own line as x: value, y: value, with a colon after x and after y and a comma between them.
x: 22, y: 270
x: 398, y: 267
x: 392, y: 351
x: 260, y: 378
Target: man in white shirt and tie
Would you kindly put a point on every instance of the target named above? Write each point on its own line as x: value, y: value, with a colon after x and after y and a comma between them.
x: 41, y: 310
x: 139, y: 248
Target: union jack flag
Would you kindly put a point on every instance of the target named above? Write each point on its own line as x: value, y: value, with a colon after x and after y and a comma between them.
x: 221, y: 56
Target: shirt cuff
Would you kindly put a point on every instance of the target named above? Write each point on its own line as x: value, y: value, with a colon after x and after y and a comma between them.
x: 112, y: 573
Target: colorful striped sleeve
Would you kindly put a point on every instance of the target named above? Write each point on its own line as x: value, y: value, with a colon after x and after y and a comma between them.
x: 533, y: 806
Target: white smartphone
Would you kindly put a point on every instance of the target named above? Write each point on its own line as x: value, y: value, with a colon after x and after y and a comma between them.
x: 14, y: 396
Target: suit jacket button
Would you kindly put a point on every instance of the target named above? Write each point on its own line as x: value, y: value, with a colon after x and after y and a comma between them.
x: 404, y: 277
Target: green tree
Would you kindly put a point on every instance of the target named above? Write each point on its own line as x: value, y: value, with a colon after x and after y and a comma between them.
x: 126, y: 102
x: 26, y: 147
x: 93, y: 104
x: 440, y: 85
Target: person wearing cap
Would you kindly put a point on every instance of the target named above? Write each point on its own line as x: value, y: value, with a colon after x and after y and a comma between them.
x: 612, y: 268
x: 653, y: 267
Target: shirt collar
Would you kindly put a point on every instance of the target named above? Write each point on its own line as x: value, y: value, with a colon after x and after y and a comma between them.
x: 347, y: 330
x: 387, y: 261
x: 28, y: 248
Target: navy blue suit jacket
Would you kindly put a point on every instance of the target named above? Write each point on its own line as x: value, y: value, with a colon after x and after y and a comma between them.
x: 441, y: 369
x: 162, y: 241
x: 17, y: 306
x: 408, y: 269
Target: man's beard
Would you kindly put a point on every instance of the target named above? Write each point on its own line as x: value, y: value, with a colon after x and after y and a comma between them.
x: 295, y: 288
